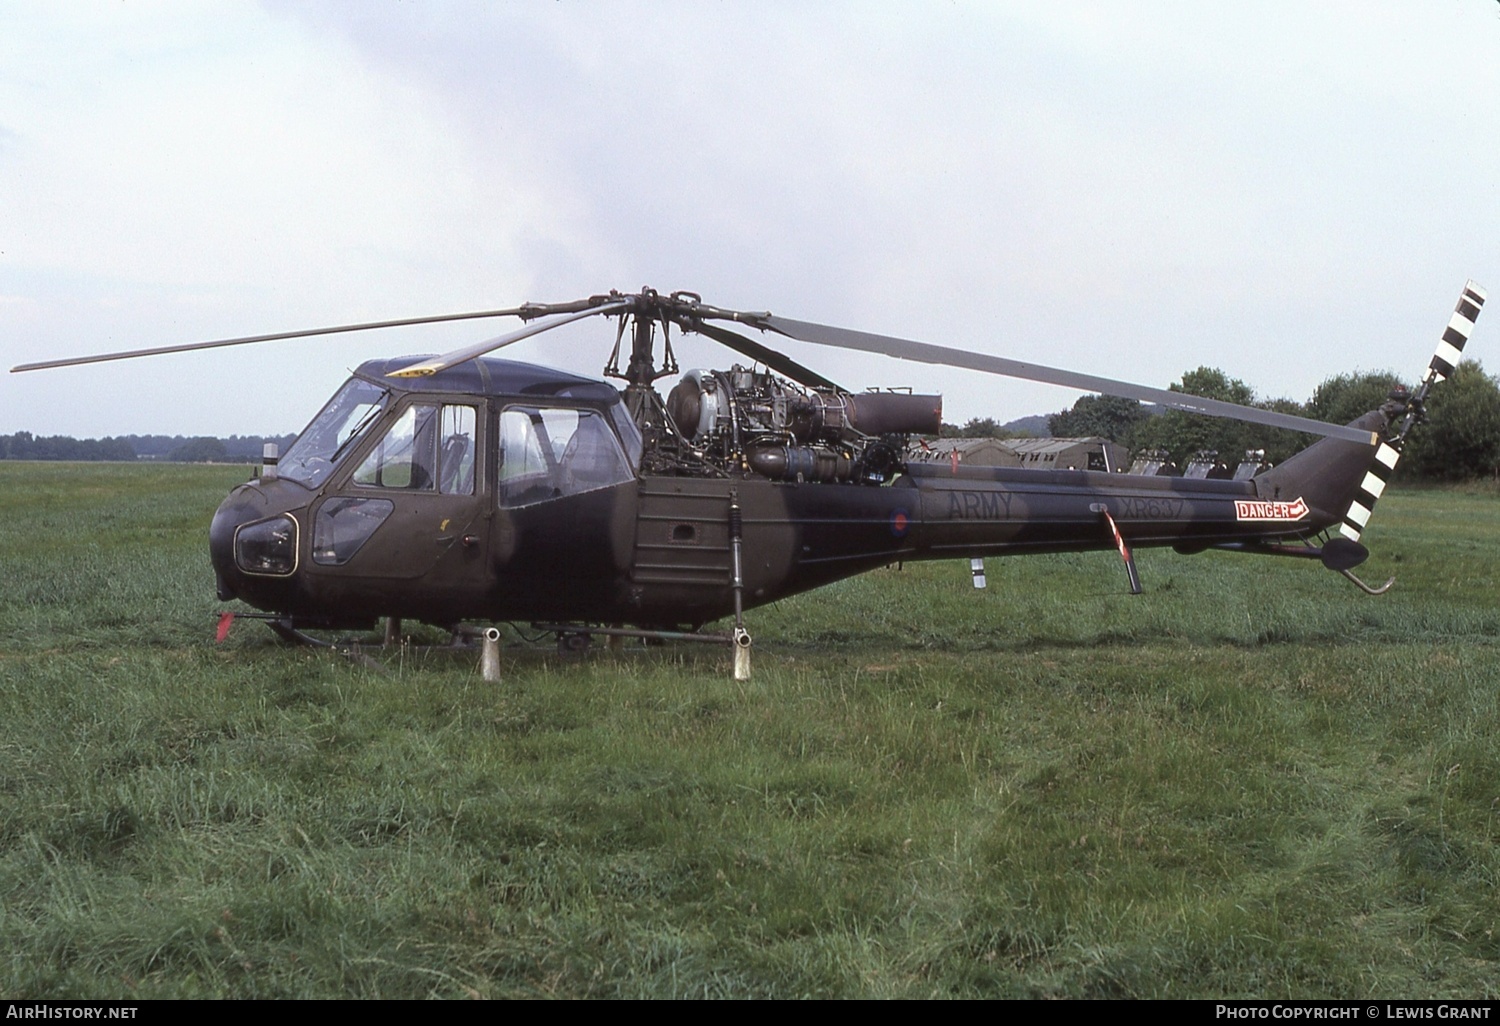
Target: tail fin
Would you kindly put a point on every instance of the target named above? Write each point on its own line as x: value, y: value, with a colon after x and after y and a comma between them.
x: 1449, y: 351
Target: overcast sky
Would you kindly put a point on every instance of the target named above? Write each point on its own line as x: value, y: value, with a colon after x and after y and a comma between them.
x: 1283, y: 190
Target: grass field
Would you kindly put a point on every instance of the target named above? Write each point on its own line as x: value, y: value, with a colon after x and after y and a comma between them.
x: 1250, y: 781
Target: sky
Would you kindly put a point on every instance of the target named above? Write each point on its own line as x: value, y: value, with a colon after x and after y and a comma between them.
x: 1284, y: 190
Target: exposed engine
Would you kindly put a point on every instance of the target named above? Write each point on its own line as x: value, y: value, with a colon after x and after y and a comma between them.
x: 753, y: 420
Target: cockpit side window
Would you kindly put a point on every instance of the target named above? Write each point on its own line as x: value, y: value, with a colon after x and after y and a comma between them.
x: 428, y: 449
x: 550, y: 453
x: 403, y: 456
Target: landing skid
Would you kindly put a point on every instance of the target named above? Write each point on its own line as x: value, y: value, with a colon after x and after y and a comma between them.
x: 572, y: 640
x: 584, y: 630
x: 462, y: 639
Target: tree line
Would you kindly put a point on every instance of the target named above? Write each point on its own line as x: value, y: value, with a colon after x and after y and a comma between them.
x: 23, y: 445
x: 1460, y: 439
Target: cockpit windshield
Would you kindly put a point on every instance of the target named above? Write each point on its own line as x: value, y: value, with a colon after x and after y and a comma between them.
x: 332, y: 432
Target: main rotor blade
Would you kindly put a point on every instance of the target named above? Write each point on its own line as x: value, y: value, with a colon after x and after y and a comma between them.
x: 778, y: 362
x: 248, y: 339
x: 467, y: 353
x: 923, y: 352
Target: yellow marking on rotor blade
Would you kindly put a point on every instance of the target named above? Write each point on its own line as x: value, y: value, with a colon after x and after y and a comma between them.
x: 444, y: 525
x: 416, y: 370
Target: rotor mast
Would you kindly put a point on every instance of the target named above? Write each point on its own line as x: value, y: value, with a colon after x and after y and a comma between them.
x: 641, y: 313
x: 640, y: 372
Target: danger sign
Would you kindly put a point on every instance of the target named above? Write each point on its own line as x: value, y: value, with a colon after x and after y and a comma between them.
x: 1245, y: 509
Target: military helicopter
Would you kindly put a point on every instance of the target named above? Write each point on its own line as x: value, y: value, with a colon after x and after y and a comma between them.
x: 465, y: 488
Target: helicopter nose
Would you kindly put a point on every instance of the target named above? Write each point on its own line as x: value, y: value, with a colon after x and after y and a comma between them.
x: 253, y: 541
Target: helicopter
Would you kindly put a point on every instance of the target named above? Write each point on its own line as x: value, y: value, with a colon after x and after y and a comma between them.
x: 463, y: 487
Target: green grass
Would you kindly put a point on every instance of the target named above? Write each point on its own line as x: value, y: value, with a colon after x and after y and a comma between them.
x: 1251, y: 781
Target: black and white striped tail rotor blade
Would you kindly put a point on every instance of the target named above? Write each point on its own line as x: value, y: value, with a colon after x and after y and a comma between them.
x: 1370, y: 489
x: 426, y: 368
x: 1451, y: 346
x: 923, y: 352
x: 1450, y: 349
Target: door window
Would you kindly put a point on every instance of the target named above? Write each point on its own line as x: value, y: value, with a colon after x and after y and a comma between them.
x: 456, y: 451
x: 428, y: 449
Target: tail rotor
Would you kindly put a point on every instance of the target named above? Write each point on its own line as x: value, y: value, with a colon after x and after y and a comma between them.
x: 1450, y: 349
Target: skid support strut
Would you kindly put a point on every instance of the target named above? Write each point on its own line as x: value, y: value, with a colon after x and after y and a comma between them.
x: 489, y: 655
x: 1119, y: 540
x: 741, y: 636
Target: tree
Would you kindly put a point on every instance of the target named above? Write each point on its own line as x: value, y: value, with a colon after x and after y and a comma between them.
x: 1461, y: 437
x: 1278, y: 443
x: 198, y: 450
x: 1347, y: 397
x: 977, y: 427
x: 115, y: 449
x: 980, y: 428
x: 1183, y: 434
x: 17, y: 446
x: 1103, y: 416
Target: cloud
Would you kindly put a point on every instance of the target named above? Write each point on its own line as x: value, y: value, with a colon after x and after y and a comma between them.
x: 1280, y: 190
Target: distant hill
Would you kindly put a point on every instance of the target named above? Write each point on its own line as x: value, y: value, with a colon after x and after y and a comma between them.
x: 1035, y: 426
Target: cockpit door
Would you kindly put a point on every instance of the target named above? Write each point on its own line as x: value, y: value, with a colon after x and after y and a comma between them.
x: 415, y: 503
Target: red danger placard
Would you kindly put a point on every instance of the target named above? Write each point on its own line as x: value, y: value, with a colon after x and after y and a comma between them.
x: 1246, y: 509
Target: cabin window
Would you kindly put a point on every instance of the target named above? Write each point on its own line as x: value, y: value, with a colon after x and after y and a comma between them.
x: 428, y: 449
x: 549, y: 453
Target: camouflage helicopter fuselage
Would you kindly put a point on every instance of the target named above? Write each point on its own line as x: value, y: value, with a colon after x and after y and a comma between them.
x: 501, y: 491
